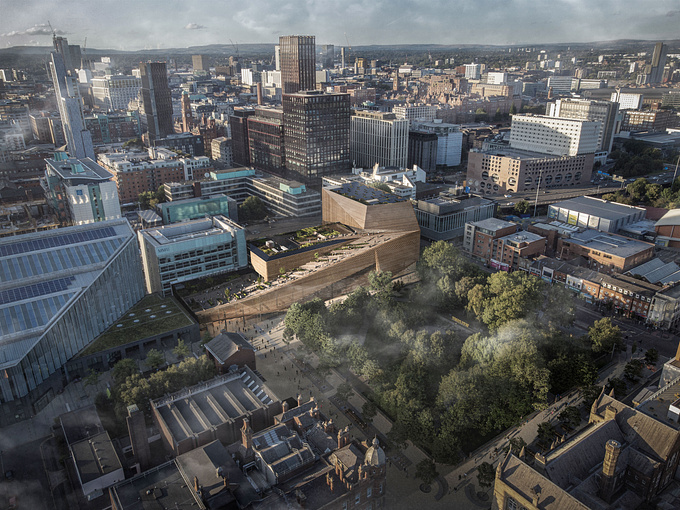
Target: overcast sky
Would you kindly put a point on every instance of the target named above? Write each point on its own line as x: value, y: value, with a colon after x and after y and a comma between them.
x: 140, y: 24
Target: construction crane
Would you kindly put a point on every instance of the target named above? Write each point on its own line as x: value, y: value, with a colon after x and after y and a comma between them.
x: 349, y: 46
x: 235, y: 45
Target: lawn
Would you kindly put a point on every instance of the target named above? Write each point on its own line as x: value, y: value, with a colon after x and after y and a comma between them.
x: 153, y: 315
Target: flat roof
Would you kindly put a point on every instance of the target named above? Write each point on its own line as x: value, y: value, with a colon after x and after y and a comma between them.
x: 95, y: 457
x: 188, y: 230
x: 219, y: 400
x: 609, y: 243
x: 598, y: 207
x: 492, y: 224
x: 522, y: 237
x: 360, y: 192
x: 513, y: 153
x: 73, y: 168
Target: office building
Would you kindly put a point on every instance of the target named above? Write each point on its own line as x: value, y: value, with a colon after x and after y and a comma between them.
x: 79, y: 191
x: 69, y: 102
x: 115, y: 92
x: 507, y: 170
x: 195, y: 208
x: 649, y: 120
x: 497, y: 78
x: 222, y: 151
x: 562, y: 84
x: 604, y: 112
x: 60, y: 289
x: 473, y: 71
x: 185, y: 251
x: 411, y: 112
x: 298, y: 63
x: 316, y: 133
x: 627, y: 100
x: 377, y: 137
x: 186, y: 143
x: 265, y: 139
x: 449, y: 140
x: 200, y: 63
x: 422, y: 149
x: 655, y: 70
x: 479, y: 236
x: 327, y: 56
x: 444, y: 217
x: 239, y: 135
x: 108, y: 128
x: 156, y: 99
x: 557, y: 136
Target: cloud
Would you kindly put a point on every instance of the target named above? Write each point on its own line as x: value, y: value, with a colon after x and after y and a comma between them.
x: 41, y: 29
x: 672, y: 13
x: 194, y: 26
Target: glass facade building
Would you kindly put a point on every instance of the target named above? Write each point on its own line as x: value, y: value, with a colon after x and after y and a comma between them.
x: 59, y: 290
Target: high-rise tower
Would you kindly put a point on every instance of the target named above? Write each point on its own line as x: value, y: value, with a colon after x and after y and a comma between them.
x: 156, y: 99
x: 658, y: 63
x: 298, y: 63
x: 78, y: 138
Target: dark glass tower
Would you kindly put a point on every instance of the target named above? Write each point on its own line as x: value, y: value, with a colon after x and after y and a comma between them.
x: 298, y: 63
x: 156, y: 99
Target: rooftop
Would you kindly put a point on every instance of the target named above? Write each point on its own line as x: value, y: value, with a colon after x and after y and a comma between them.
x: 95, y: 457
x: 189, y: 230
x: 199, y: 408
x: 657, y: 271
x: 492, y: 224
x: 365, y: 194
x: 598, y: 207
x: 151, y: 316
x: 42, y: 272
x: 226, y: 344
x: 85, y: 169
x: 522, y: 237
x: 672, y: 217
x: 609, y: 243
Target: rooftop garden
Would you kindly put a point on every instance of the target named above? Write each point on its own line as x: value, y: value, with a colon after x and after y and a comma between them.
x: 151, y: 316
x: 299, y: 239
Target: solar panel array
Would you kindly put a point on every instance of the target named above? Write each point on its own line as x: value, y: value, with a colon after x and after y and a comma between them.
x: 56, y: 241
x: 35, y: 290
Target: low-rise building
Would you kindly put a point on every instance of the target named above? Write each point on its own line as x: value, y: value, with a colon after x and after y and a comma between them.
x: 228, y: 349
x: 445, y: 216
x: 185, y: 251
x: 214, y: 409
x: 668, y: 229
x: 605, y: 252
x: 595, y: 213
x: 480, y: 235
x: 508, y: 250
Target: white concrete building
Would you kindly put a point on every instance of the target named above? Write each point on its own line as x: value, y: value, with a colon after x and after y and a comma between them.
x: 553, y: 135
x: 627, y: 101
x: 496, y: 78
x: 411, y: 112
x: 115, y: 92
x: 604, y: 112
x: 378, y: 137
x: 473, y: 71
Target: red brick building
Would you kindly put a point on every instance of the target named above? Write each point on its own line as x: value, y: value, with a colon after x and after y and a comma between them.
x: 480, y: 235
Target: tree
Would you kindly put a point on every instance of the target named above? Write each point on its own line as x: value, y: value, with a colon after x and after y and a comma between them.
x: 181, y: 350
x: 513, y: 109
x: 651, y: 356
x: 124, y: 369
x: 637, y: 189
x: 571, y: 416
x: 522, y: 207
x: 618, y: 385
x: 92, y: 378
x: 369, y: 410
x: 155, y: 359
x: 486, y: 474
x: 343, y: 391
x: 633, y: 370
x: 426, y: 470
x: 604, y: 336
x: 546, y: 432
x: 381, y: 283
x: 252, y: 209
x: 515, y: 445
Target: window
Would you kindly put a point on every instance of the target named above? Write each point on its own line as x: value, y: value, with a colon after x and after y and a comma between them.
x: 369, y: 492
x: 357, y: 499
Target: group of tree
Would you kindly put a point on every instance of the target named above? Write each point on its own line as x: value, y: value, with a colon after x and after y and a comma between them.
x: 641, y: 191
x: 444, y: 391
x: 637, y: 158
x: 150, y: 199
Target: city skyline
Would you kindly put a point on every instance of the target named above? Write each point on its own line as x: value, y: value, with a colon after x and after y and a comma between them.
x: 157, y: 25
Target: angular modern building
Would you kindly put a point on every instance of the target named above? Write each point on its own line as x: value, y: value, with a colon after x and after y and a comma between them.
x: 193, y: 249
x: 156, y: 99
x: 316, y: 133
x: 298, y: 63
x: 378, y: 137
x: 80, y: 191
x: 59, y: 290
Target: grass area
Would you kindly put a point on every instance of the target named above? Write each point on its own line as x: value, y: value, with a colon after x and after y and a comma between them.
x: 153, y: 315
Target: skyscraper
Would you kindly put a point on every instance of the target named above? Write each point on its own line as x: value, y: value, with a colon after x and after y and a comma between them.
x: 156, y: 99
x: 658, y: 63
x: 298, y: 63
x: 378, y: 137
x: 328, y: 55
x: 78, y: 139
x: 316, y: 133
x: 200, y: 63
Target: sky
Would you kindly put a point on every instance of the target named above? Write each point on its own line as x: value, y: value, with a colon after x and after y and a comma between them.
x: 152, y: 24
